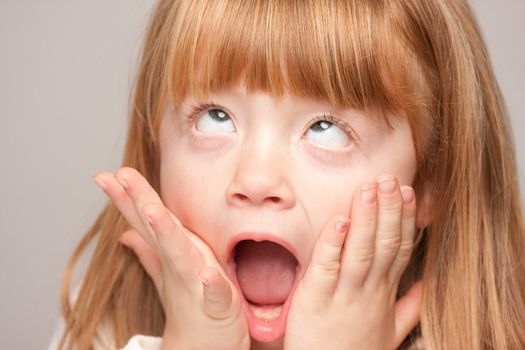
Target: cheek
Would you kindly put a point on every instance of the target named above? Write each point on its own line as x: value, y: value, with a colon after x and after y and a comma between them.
x: 188, y: 193
x: 182, y: 186
x: 178, y: 189
x: 325, y: 194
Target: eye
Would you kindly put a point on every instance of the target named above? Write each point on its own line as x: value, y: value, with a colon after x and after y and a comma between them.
x: 214, y: 121
x: 326, y: 133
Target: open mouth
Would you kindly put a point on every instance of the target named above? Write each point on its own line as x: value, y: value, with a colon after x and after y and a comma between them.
x: 265, y: 274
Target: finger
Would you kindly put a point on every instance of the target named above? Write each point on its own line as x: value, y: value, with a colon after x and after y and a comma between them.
x: 182, y: 255
x: 358, y: 252
x: 147, y: 256
x: 137, y: 187
x: 408, y: 231
x: 323, y: 272
x: 140, y: 193
x: 407, y: 313
x: 122, y: 201
x: 217, y: 293
x: 388, y: 233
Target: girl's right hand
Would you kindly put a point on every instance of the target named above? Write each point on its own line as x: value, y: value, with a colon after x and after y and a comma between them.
x: 203, y: 310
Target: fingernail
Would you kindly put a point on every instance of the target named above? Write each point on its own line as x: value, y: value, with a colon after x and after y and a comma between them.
x: 387, y: 185
x: 342, y: 226
x: 148, y: 217
x: 204, y: 281
x: 100, y: 183
x: 368, y: 193
x: 408, y: 194
x: 122, y: 181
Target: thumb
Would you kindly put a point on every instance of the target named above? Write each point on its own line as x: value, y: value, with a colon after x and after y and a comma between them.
x: 147, y: 256
x: 217, y: 293
x: 407, y: 312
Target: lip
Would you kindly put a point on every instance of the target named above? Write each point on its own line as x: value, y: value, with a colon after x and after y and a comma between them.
x: 262, y: 330
x: 258, y: 237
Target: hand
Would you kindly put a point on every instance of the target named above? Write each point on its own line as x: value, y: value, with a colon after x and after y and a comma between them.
x: 347, y: 297
x: 203, y: 310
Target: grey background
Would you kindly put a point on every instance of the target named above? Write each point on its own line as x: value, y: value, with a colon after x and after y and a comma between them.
x: 66, y: 68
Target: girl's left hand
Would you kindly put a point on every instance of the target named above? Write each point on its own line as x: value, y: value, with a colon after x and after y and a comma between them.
x: 202, y: 308
x: 347, y: 297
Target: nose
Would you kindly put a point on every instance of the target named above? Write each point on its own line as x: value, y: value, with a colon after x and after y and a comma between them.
x: 260, y: 183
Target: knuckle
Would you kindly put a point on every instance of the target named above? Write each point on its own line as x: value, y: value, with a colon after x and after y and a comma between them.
x: 389, y: 244
x: 405, y: 248
x: 329, y: 267
x: 332, y: 247
x: 217, y: 309
x: 391, y: 207
x: 363, y: 255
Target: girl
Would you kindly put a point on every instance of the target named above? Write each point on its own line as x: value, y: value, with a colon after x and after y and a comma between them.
x: 268, y: 198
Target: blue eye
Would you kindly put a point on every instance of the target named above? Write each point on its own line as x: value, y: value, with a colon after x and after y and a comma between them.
x: 214, y: 121
x: 327, y: 134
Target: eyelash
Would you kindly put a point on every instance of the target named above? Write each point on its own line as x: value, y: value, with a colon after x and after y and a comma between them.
x: 197, y: 109
x: 347, y: 129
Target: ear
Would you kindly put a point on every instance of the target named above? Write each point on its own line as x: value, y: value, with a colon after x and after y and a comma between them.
x: 425, y: 200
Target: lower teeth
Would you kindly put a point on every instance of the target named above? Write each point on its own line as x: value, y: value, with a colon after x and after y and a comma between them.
x: 266, y: 314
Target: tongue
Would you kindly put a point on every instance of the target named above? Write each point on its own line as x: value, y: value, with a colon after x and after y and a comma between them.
x: 266, y: 272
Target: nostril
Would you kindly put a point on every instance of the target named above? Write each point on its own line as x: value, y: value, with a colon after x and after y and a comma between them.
x: 240, y: 196
x: 275, y: 199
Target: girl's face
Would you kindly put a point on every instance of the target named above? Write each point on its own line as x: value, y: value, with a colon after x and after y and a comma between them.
x: 242, y: 166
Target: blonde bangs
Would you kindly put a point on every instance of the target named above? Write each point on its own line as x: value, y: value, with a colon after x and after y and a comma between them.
x: 293, y: 47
